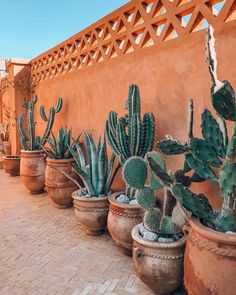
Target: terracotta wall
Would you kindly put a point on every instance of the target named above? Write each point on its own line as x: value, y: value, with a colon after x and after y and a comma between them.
x: 92, y: 70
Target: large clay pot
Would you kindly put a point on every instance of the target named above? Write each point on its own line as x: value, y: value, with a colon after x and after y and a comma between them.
x: 158, y: 265
x: 121, y: 220
x: 32, y: 170
x: 58, y: 186
x: 7, y: 147
x: 210, y: 261
x: 91, y: 213
x: 12, y: 165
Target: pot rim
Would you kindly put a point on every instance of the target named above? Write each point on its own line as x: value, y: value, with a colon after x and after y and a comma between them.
x: 57, y: 161
x: 32, y: 152
x: 11, y: 157
x: 112, y: 199
x: 154, y: 244
x: 76, y: 197
x: 211, y: 234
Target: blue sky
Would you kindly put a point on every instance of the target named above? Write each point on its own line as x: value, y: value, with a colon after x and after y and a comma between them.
x: 30, y: 27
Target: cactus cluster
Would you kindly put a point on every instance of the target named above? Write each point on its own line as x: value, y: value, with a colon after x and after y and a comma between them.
x: 211, y: 157
x: 59, y: 147
x: 131, y: 135
x: 98, y: 174
x: 135, y: 174
x: 30, y: 141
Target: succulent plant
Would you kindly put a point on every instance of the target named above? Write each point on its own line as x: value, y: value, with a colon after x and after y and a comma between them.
x: 131, y: 135
x: 214, y: 151
x: 59, y: 148
x: 30, y: 141
x: 135, y: 173
x: 98, y: 174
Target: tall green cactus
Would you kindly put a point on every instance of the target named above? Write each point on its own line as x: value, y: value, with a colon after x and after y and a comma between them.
x: 130, y: 135
x: 29, y: 141
x: 98, y: 174
x: 135, y: 174
x: 215, y: 151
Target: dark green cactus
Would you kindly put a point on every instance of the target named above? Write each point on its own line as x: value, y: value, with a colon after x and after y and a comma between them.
x: 135, y: 175
x: 30, y: 141
x: 131, y: 135
x: 98, y: 174
x: 59, y: 148
x: 204, y: 156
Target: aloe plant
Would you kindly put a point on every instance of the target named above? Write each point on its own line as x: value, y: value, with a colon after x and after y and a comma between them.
x: 59, y: 148
x: 29, y: 141
x: 99, y: 172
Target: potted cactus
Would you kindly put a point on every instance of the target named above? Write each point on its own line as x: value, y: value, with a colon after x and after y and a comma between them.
x: 11, y: 164
x: 91, y: 200
x: 33, y: 164
x: 59, y: 187
x: 157, y: 241
x: 128, y: 136
x: 211, y: 243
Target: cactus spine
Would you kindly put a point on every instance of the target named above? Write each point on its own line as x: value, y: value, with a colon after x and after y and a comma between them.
x: 31, y: 142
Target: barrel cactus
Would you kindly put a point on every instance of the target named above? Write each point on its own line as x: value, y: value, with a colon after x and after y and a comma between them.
x: 211, y: 157
x: 135, y: 174
x: 31, y: 142
x: 99, y: 173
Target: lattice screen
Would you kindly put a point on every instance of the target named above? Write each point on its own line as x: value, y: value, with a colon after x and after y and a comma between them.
x: 137, y: 25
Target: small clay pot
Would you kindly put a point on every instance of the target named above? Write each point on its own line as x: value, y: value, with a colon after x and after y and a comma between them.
x: 210, y: 261
x: 158, y: 265
x: 121, y: 220
x: 7, y: 147
x: 91, y: 213
x: 11, y: 165
x: 32, y: 170
x: 58, y: 186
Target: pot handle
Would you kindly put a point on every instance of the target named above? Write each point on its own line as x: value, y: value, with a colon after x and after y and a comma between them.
x: 138, y: 253
x: 187, y: 229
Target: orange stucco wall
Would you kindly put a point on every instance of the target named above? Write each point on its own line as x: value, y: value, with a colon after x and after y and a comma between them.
x: 168, y: 74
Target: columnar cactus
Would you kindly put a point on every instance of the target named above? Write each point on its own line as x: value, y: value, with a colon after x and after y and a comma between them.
x: 215, y: 151
x: 135, y: 174
x: 30, y: 141
x: 130, y: 135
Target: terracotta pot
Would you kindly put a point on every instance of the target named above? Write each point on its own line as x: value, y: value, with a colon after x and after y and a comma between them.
x: 121, y: 220
x: 59, y: 187
x: 12, y: 165
x: 210, y: 261
x: 32, y: 170
x: 158, y: 265
x: 7, y: 147
x: 91, y: 213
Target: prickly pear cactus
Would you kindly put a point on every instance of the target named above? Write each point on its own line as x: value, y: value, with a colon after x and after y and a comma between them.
x: 135, y: 174
x: 30, y: 141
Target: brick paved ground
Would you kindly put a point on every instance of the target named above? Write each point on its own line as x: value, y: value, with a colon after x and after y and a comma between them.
x: 44, y: 251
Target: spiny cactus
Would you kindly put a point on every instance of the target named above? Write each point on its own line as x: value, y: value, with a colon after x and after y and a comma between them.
x: 135, y: 174
x: 204, y: 156
x: 59, y: 148
x: 130, y: 135
x: 30, y: 141
x: 98, y: 174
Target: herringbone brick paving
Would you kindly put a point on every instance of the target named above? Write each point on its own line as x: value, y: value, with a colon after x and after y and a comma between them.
x: 44, y: 251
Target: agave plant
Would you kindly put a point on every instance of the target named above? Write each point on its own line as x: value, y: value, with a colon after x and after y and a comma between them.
x: 59, y: 148
x: 97, y: 174
x: 4, y: 132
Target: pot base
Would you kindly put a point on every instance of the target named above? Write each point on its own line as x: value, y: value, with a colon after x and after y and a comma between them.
x: 64, y: 207
x: 39, y: 192
x: 94, y: 232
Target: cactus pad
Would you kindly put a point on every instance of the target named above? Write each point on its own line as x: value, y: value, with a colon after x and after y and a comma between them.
x: 171, y: 147
x: 152, y: 220
x: 168, y: 226
x: 135, y: 172
x: 146, y: 198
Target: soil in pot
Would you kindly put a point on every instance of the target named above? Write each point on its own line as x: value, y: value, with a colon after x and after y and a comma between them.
x: 58, y: 186
x: 121, y: 220
x: 91, y: 212
x: 12, y: 165
x: 210, y: 261
x: 158, y: 264
x: 32, y: 170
